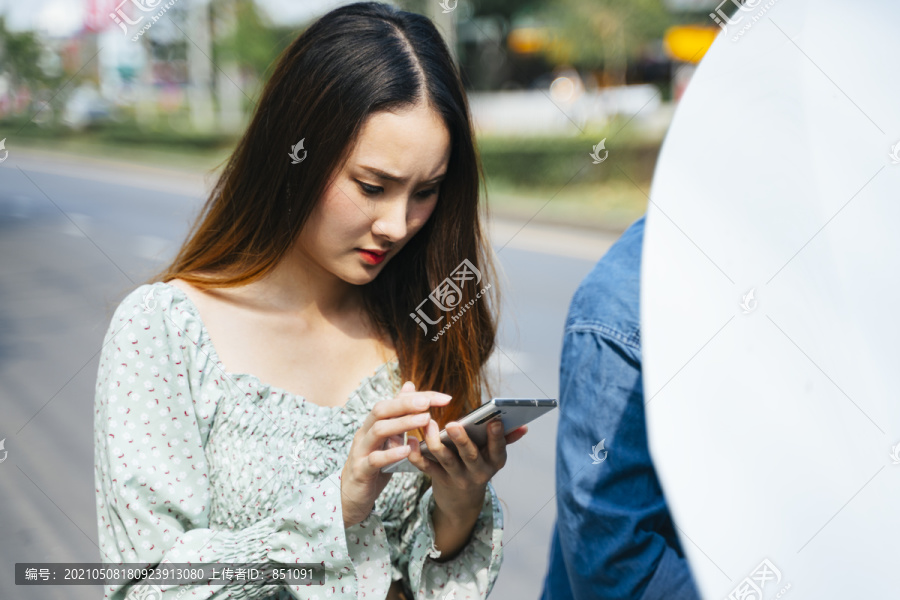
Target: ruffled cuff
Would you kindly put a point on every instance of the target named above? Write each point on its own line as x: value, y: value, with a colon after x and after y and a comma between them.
x: 355, y: 562
x: 470, y: 574
x: 369, y: 551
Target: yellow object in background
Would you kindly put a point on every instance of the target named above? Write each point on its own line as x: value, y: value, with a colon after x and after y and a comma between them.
x: 689, y: 43
x: 527, y: 40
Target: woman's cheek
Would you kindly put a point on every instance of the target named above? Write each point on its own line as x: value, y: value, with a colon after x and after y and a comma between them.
x: 421, y: 216
x: 347, y: 213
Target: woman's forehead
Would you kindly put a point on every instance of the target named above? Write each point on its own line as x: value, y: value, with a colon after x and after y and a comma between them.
x: 413, y: 143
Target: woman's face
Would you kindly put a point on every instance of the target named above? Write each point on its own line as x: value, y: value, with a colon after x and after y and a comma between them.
x: 381, y: 197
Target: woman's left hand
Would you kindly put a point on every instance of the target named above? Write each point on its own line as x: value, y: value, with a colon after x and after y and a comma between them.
x: 459, y: 482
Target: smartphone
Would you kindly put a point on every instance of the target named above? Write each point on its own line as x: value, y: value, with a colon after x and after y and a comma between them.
x: 512, y: 412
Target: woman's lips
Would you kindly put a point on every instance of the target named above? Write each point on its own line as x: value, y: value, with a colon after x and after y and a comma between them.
x: 373, y: 258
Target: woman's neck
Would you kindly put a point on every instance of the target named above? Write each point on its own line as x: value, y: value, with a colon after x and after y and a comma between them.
x: 298, y: 287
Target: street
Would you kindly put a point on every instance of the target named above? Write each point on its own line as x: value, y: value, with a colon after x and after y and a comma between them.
x: 77, y: 234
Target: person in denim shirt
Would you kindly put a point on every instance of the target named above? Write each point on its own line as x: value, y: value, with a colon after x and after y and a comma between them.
x: 614, y: 537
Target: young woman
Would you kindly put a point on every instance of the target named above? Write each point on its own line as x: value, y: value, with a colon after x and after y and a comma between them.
x: 248, y: 397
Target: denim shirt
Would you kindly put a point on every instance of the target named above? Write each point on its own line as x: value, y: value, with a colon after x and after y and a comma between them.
x: 614, y: 537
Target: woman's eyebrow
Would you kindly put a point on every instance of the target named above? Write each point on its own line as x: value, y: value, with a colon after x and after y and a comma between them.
x: 397, y: 178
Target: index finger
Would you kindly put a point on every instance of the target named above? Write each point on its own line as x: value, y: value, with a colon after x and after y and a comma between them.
x: 405, y: 403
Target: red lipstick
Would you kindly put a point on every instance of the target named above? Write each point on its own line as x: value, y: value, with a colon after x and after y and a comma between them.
x: 373, y: 257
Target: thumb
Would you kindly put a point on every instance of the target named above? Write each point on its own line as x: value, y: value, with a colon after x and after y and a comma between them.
x: 409, y: 386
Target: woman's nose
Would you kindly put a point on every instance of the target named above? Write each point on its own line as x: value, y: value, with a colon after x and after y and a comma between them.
x: 390, y: 221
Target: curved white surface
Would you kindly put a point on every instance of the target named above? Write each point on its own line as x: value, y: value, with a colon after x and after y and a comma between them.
x: 772, y: 430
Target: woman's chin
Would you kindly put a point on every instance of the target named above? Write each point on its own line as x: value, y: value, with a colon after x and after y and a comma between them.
x: 360, y: 276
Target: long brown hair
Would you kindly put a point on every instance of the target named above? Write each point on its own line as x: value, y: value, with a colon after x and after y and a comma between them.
x: 352, y: 62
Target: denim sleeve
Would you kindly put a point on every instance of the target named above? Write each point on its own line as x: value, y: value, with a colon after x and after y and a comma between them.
x: 614, y: 534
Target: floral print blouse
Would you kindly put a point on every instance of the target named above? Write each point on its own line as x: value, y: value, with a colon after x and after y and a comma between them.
x: 193, y: 464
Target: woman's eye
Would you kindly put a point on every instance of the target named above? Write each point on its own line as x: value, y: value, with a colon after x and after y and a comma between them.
x: 374, y: 190
x: 370, y: 190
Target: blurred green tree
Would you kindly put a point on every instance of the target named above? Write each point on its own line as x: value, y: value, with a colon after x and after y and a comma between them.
x: 33, y: 72
x: 20, y: 58
x: 602, y: 35
x: 244, y: 36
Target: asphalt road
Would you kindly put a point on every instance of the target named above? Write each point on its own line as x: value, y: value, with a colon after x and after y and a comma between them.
x: 77, y: 234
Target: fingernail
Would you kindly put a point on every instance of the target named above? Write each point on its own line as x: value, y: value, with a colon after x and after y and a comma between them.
x: 495, y: 427
x: 444, y: 396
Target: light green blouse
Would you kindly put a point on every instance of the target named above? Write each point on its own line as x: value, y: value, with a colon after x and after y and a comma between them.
x: 195, y: 464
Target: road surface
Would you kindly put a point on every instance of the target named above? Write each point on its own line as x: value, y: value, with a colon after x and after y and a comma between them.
x: 78, y: 234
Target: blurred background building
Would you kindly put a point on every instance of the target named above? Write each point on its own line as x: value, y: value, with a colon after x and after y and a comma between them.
x: 547, y: 79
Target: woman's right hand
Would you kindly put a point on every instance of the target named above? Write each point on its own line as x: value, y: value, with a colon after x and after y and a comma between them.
x: 378, y: 443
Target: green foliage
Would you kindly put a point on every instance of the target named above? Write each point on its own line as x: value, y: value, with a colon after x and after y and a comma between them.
x: 125, y: 134
x: 505, y: 8
x: 245, y: 37
x: 602, y: 34
x: 557, y: 161
x: 20, y: 54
